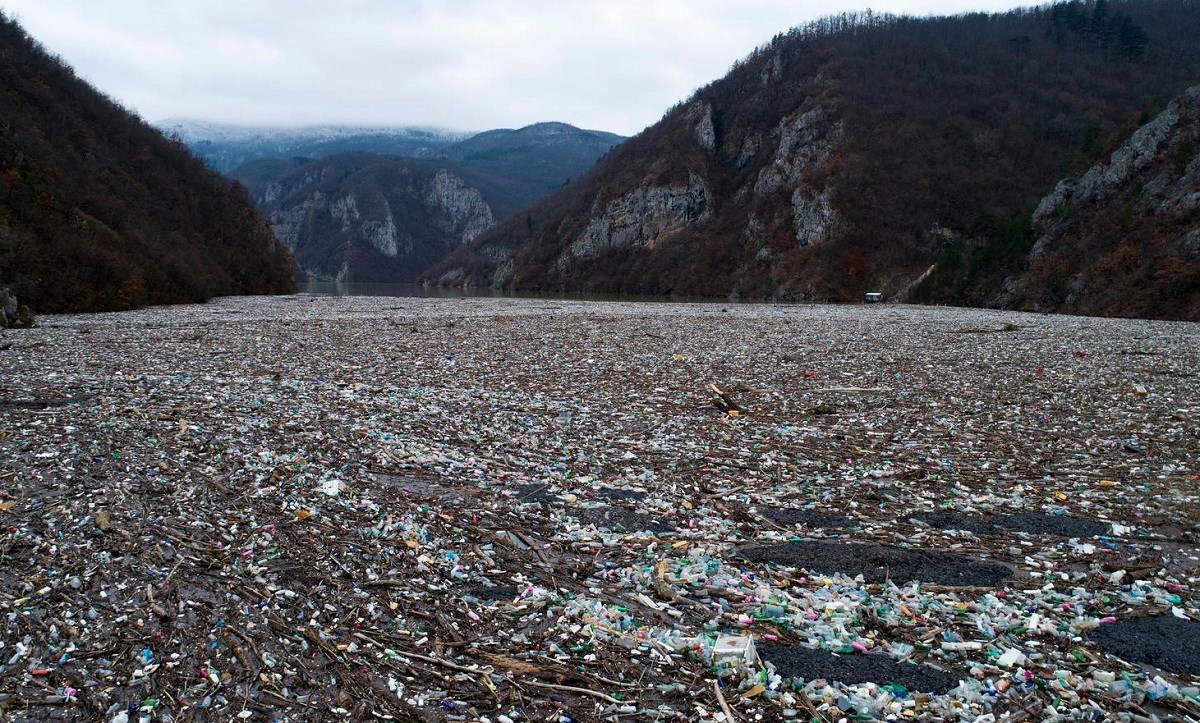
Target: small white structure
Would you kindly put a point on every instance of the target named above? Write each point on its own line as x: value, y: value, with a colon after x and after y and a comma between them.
x: 873, y: 297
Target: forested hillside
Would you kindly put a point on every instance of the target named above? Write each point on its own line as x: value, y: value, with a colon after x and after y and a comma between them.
x: 843, y: 156
x: 99, y: 211
x: 531, y: 162
x: 1123, y: 239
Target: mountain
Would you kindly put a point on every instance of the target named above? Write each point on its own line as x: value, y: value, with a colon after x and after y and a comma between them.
x: 364, y: 217
x: 532, y: 161
x: 513, y: 167
x: 840, y: 157
x: 227, y: 146
x: 1123, y: 239
x: 258, y: 175
x: 412, y: 212
x: 99, y: 211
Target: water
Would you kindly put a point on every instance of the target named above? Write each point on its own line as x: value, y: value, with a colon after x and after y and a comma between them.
x: 335, y: 288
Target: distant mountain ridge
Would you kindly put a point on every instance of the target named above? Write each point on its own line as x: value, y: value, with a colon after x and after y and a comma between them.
x: 226, y: 146
x: 534, y: 160
x: 369, y: 217
x: 99, y: 211
x: 843, y: 156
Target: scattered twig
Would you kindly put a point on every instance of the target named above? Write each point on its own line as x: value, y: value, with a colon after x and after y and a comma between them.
x: 582, y: 691
x: 721, y: 699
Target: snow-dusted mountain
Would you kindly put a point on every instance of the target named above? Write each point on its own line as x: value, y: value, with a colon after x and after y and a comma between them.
x: 227, y: 146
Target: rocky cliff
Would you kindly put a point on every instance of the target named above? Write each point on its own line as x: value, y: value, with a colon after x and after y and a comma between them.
x: 367, y: 217
x: 640, y: 219
x: 1123, y: 239
x: 838, y: 158
x: 361, y: 217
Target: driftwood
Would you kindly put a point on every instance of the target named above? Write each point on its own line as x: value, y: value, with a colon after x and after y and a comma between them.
x: 724, y: 401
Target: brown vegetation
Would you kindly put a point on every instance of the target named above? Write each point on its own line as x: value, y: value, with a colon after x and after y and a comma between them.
x: 957, y: 123
x: 99, y: 211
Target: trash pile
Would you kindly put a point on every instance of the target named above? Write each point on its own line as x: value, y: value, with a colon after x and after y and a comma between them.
x: 310, y: 508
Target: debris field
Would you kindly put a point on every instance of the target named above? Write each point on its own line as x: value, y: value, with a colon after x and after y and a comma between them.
x: 502, y: 510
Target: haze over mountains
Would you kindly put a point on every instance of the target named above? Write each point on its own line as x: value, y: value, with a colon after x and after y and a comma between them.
x: 844, y: 156
x: 226, y: 146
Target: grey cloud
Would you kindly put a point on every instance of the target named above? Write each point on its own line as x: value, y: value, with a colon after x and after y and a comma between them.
x: 465, y: 64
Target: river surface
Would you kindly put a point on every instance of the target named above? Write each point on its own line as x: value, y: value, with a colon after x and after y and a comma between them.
x: 334, y: 288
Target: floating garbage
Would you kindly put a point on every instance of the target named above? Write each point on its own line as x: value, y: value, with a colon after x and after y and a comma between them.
x: 308, y: 508
x: 739, y: 648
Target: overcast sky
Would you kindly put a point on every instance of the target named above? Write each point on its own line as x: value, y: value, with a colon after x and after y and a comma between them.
x: 613, y: 65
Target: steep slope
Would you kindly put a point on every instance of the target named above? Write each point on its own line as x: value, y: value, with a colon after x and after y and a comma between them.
x: 518, y: 166
x: 362, y: 217
x: 258, y: 175
x: 532, y: 161
x: 1124, y: 238
x: 99, y: 211
x: 489, y: 175
x: 836, y: 159
x: 227, y: 146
